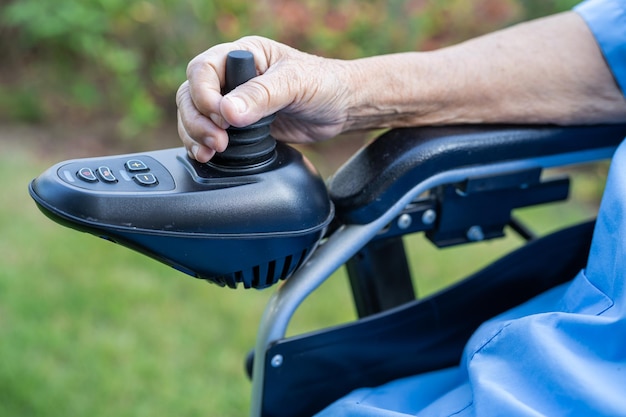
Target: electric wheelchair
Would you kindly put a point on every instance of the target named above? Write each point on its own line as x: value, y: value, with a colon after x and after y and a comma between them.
x: 260, y: 215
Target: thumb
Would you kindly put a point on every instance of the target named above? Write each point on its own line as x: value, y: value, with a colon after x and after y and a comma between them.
x: 257, y: 98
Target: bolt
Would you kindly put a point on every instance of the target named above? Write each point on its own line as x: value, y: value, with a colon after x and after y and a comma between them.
x: 475, y: 234
x: 429, y: 217
x: 277, y: 361
x: 405, y: 221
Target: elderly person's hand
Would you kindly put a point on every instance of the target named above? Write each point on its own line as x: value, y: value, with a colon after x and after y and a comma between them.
x: 545, y: 71
x: 309, y: 93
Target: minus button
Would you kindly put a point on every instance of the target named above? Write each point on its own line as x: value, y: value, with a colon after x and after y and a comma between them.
x: 146, y: 179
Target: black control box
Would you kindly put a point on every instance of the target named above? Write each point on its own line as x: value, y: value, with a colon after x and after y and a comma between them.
x: 250, y: 225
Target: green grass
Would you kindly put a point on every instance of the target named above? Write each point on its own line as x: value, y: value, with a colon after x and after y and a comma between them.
x: 88, y: 328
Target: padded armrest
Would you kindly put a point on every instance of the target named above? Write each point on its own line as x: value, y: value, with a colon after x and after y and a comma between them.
x: 380, y: 173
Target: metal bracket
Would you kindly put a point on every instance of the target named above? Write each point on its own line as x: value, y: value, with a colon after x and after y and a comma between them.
x: 479, y: 208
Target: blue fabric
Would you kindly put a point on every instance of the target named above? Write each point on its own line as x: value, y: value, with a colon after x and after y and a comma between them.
x: 562, y: 353
x: 607, y: 21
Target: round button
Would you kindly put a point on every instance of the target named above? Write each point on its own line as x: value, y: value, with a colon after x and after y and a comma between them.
x: 105, y: 173
x: 86, y: 174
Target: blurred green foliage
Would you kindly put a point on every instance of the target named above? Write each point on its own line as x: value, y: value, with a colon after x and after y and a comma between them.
x: 76, y: 60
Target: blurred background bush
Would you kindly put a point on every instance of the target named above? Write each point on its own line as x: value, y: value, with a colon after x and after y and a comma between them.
x: 121, y: 61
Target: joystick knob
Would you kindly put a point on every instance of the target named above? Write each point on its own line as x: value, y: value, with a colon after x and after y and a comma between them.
x: 250, y: 146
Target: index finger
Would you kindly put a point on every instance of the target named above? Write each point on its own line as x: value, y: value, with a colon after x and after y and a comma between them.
x: 205, y: 74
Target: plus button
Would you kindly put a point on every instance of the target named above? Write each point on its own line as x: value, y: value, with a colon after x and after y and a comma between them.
x: 136, y: 165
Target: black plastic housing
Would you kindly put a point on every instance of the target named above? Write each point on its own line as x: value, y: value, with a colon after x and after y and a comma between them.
x: 253, y: 225
x: 381, y: 172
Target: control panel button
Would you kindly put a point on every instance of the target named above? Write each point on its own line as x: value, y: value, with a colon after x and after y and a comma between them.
x: 136, y: 165
x: 146, y: 179
x: 86, y: 174
x: 105, y: 173
x: 124, y: 174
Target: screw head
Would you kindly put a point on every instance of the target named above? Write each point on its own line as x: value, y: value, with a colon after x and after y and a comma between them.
x: 277, y: 361
x: 404, y: 221
x: 475, y: 234
x: 429, y: 217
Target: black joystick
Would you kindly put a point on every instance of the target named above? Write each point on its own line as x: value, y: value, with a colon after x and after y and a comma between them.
x: 250, y: 146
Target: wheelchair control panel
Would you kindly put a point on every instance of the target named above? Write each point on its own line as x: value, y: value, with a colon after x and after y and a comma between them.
x: 250, y: 216
x: 140, y: 173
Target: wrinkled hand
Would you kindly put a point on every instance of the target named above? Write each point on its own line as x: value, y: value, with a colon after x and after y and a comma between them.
x: 551, y: 71
x: 310, y: 95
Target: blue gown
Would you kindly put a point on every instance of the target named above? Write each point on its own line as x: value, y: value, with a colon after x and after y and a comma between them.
x: 562, y: 353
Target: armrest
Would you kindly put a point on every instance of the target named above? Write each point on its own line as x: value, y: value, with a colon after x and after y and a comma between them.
x: 373, y: 179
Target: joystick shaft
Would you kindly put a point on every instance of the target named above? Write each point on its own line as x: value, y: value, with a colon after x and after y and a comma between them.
x: 240, y: 67
x: 250, y: 146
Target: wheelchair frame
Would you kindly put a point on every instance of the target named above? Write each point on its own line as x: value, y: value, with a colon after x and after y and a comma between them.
x: 369, y: 209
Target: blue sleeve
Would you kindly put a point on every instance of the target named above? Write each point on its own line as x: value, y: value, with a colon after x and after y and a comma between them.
x: 607, y: 21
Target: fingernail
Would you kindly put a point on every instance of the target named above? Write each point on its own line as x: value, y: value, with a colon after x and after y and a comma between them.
x: 208, y: 141
x: 194, y: 151
x: 240, y: 104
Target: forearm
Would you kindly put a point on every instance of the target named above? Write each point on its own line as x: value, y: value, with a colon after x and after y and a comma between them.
x: 545, y: 71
